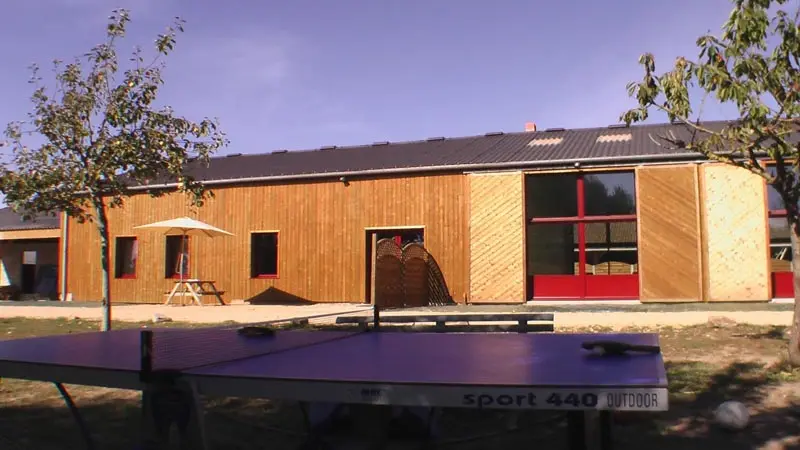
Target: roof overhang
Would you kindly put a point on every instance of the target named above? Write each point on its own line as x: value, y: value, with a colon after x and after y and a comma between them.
x: 39, y: 233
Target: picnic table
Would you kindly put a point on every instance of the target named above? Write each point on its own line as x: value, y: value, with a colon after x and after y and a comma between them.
x: 195, y: 289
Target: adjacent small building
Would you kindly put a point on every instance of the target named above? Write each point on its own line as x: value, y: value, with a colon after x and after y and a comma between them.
x: 29, y: 256
x: 557, y: 214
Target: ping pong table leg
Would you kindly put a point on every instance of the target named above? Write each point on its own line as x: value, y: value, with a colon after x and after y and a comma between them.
x: 589, y: 430
x: 576, y: 430
x: 73, y: 409
x: 606, y: 430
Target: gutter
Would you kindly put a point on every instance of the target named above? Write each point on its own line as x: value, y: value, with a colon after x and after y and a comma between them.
x: 682, y: 157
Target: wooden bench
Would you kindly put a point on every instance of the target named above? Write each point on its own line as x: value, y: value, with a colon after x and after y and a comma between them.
x: 520, y: 322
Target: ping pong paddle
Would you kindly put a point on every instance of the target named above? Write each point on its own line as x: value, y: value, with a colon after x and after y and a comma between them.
x: 253, y: 331
x: 618, y: 348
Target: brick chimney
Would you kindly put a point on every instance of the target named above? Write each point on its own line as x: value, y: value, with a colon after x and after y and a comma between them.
x: 530, y: 126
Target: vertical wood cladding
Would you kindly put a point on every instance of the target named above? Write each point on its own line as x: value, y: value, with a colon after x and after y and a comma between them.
x: 321, y: 241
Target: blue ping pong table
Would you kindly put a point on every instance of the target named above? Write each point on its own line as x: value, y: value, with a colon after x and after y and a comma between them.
x: 375, y: 366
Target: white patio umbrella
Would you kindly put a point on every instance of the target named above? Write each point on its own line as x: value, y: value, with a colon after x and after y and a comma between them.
x: 185, y: 226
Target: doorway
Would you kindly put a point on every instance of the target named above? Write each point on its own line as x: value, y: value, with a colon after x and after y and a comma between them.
x: 28, y: 272
x: 401, y: 236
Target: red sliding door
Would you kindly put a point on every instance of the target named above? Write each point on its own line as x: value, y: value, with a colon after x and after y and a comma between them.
x: 581, y: 236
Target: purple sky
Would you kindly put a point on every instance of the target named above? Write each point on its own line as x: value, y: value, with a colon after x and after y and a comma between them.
x: 306, y: 73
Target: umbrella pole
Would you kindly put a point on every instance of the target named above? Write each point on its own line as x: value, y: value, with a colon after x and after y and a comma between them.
x: 182, y: 262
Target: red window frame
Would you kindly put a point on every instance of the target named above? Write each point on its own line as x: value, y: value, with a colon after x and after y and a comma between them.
x: 254, y: 273
x: 119, y: 264
x: 583, y: 286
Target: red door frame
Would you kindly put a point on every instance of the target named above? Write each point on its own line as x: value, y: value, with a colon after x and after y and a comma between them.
x: 583, y: 286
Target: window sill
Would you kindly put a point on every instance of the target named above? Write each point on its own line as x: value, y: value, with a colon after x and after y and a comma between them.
x: 265, y: 277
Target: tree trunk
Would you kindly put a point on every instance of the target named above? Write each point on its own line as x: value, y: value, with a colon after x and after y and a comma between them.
x: 102, y: 227
x: 794, y: 338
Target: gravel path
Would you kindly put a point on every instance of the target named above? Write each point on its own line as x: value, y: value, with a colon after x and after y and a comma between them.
x: 262, y: 313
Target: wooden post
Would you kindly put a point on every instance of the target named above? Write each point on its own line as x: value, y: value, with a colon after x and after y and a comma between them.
x: 373, y: 259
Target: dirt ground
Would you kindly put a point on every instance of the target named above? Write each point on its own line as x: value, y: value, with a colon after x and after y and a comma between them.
x: 257, y: 313
x: 707, y: 364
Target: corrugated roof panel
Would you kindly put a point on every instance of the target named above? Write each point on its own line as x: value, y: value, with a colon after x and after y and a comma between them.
x: 11, y: 221
x: 471, y: 150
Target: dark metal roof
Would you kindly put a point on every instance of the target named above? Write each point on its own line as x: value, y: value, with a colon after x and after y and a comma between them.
x: 11, y: 221
x: 484, y: 152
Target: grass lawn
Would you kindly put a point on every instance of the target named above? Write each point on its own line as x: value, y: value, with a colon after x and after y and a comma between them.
x: 706, y: 365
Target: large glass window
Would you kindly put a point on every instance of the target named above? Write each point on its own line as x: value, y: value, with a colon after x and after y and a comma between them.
x: 609, y: 194
x: 611, y: 248
x: 553, y: 248
x: 583, y: 225
x: 780, y: 245
x: 551, y: 195
x: 779, y: 233
x: 774, y: 201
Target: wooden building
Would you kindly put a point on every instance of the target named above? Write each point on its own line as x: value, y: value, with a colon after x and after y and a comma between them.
x: 29, y: 257
x: 587, y: 214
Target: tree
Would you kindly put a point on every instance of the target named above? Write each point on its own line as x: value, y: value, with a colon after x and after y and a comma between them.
x: 102, y: 134
x: 753, y: 65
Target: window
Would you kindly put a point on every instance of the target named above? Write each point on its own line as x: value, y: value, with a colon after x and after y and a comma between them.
x: 264, y: 255
x: 774, y: 200
x: 551, y: 195
x: 126, y: 253
x: 779, y: 232
x: 176, y: 257
x: 609, y: 194
x: 780, y: 245
x: 553, y: 248
x: 581, y: 225
x: 611, y: 248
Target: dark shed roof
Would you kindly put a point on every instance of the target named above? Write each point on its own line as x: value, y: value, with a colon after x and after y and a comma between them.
x: 609, y: 145
x: 11, y: 221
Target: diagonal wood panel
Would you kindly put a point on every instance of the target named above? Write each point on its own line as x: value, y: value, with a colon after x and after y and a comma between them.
x: 736, y: 234
x: 670, y: 268
x: 497, y: 239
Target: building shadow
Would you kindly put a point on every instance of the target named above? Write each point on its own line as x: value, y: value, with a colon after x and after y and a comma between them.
x: 275, y: 296
x: 438, y: 292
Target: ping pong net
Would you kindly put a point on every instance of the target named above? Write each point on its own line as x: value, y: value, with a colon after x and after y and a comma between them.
x: 167, y: 352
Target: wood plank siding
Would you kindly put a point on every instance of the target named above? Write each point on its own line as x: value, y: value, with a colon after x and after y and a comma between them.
x: 497, y: 238
x: 735, y: 232
x: 321, y: 238
x: 670, y: 264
